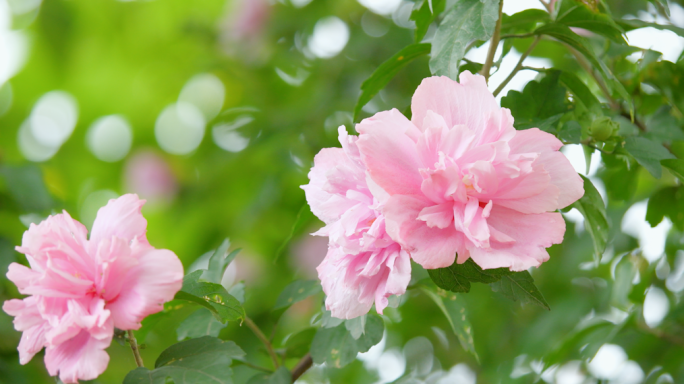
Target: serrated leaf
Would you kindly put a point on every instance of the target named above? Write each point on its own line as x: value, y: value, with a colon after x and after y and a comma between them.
x: 466, y: 21
x: 337, y: 347
x: 666, y: 202
x: 297, y: 291
x: 676, y: 166
x: 577, y: 14
x: 455, y: 313
x: 200, y: 323
x: 212, y: 296
x: 520, y: 286
x: 280, y: 376
x: 592, y: 207
x: 386, y: 71
x: 299, y: 344
x: 424, y: 14
x: 563, y: 33
x: 663, y: 127
x: 218, y: 262
x: 647, y: 153
x: 457, y: 277
x: 205, y: 360
x: 541, y: 104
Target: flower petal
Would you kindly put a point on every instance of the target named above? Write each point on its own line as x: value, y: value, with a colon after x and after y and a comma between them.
x: 121, y: 218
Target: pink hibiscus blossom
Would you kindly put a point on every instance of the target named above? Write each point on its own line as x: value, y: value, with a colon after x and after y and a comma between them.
x: 363, y: 265
x: 80, y: 288
x: 462, y: 181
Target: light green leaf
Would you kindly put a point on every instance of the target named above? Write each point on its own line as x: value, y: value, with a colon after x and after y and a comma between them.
x: 579, y: 89
x: 297, y: 291
x: 218, y: 262
x: 676, y: 166
x: 337, y: 347
x: 467, y: 21
x: 424, y: 14
x: 200, y: 323
x: 212, y: 296
x: 386, y: 71
x: 280, y: 376
x: 523, y: 22
x: 520, y: 286
x: 205, y: 360
x: 574, y: 13
x: 455, y: 313
x: 668, y: 201
x: 647, y: 153
x: 592, y: 207
x: 356, y: 326
x: 152, y: 320
x: 299, y: 344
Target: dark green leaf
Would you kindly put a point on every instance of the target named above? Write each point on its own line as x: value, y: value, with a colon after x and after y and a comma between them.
x: 337, y: 347
x: 629, y: 25
x: 563, y: 33
x: 26, y: 185
x: 574, y: 13
x: 297, y: 291
x: 424, y: 14
x: 541, y: 103
x: 621, y: 182
x: 666, y: 202
x: 570, y: 132
x: 663, y: 127
x: 579, y: 90
x: 205, y: 360
x: 523, y: 22
x: 520, y: 286
x: 457, y: 277
x: 299, y: 344
x: 667, y: 78
x: 455, y: 313
x: 151, y: 321
x: 280, y: 376
x: 212, y: 296
x: 676, y: 166
x: 218, y: 262
x: 386, y: 71
x: 592, y: 207
x: 467, y: 21
x: 200, y: 323
x: 647, y: 153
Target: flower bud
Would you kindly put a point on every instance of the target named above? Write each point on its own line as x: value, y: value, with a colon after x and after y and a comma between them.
x: 603, y: 128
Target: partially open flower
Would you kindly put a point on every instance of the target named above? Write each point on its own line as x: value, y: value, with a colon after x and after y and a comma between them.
x: 80, y: 288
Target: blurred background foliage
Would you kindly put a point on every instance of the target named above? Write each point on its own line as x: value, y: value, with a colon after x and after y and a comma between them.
x: 213, y: 111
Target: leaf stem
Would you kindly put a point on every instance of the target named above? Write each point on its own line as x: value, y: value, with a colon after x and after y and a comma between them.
x: 260, y: 335
x: 546, y: 5
x: 518, y: 66
x: 134, y: 348
x: 494, y: 44
x: 302, y: 366
x: 517, y: 36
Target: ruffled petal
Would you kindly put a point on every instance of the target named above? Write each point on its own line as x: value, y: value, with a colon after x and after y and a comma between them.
x: 122, y: 218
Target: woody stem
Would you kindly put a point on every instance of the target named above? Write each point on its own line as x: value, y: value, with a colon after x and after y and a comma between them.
x: 135, y: 349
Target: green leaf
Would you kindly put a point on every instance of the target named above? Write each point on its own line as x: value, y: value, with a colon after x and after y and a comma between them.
x: 667, y: 78
x: 629, y: 25
x: 455, y: 313
x: 663, y: 127
x: 592, y: 207
x: 676, y: 166
x: 200, y: 323
x: 520, y: 286
x: 25, y: 184
x: 662, y: 5
x: 218, y: 262
x: 666, y: 202
x: 424, y: 14
x: 356, y: 326
x: 541, y: 103
x: 564, y: 34
x: 523, y: 22
x: 297, y: 291
x: 574, y: 13
x: 212, y: 296
x: 579, y: 89
x: 337, y: 347
x: 280, y: 376
x: 386, y: 71
x: 299, y: 344
x: 570, y: 132
x: 151, y: 321
x: 647, y: 153
x: 467, y: 21
x: 621, y: 182
x: 457, y: 277
x: 205, y: 360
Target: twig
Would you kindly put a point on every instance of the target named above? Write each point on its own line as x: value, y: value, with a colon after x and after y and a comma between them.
x: 302, y: 366
x: 134, y: 348
x: 590, y: 70
x: 260, y: 335
x: 493, y: 45
x: 518, y: 66
x: 517, y: 36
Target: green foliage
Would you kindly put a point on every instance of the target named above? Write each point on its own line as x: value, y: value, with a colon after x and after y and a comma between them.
x: 205, y: 360
x: 200, y: 323
x: 520, y: 286
x: 592, y: 207
x: 668, y: 202
x: 540, y: 105
x: 576, y: 13
x: 468, y: 20
x: 647, y: 153
x: 455, y: 312
x: 299, y: 344
x: 212, y: 296
x: 424, y: 14
x: 280, y: 376
x: 337, y: 347
x: 676, y: 166
x: 26, y: 185
x: 218, y: 262
x: 297, y: 291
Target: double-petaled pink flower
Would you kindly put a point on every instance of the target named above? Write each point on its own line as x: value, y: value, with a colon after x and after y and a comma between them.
x: 81, y: 289
x: 457, y: 180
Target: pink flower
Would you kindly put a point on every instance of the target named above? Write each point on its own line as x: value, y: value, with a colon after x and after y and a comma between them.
x: 81, y: 289
x: 461, y: 180
x: 363, y: 265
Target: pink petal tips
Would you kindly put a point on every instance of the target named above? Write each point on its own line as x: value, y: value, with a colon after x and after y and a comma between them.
x: 457, y: 181
x: 80, y: 290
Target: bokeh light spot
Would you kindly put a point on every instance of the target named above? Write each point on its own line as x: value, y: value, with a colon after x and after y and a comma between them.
x: 206, y: 92
x: 329, y: 38
x: 179, y: 129
x: 109, y: 138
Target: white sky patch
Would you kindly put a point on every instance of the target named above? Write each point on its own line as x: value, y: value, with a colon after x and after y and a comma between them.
x: 510, y: 7
x: 381, y: 7
x: 575, y: 154
x: 608, y: 362
x: 651, y: 240
x: 656, y: 306
x: 668, y: 43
